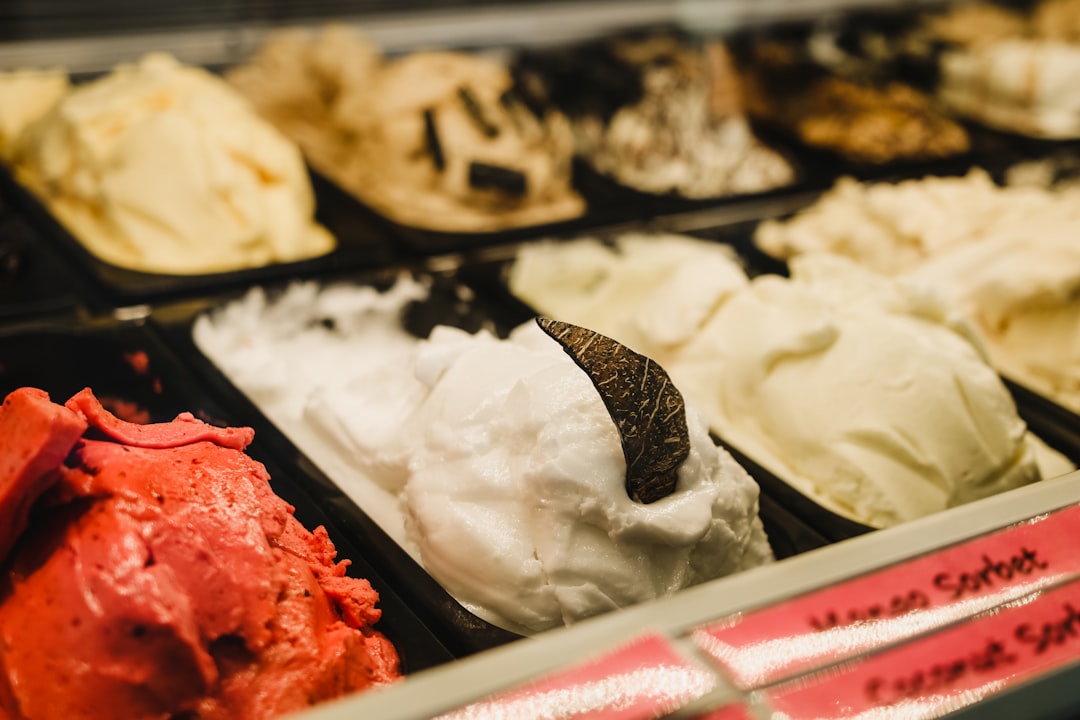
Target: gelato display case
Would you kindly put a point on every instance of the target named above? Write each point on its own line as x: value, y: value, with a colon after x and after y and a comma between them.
x: 812, y: 637
x: 468, y: 359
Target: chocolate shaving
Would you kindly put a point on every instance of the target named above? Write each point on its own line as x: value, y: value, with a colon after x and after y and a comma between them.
x: 495, y: 177
x: 645, y: 405
x: 477, y: 113
x: 432, y: 142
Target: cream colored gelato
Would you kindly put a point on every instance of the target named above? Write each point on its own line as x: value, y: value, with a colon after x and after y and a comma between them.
x: 494, y: 462
x: 856, y: 389
x: 159, y: 167
x: 432, y: 140
x: 1007, y: 258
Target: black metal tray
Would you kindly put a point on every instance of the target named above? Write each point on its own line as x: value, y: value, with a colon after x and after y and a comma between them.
x: 360, y: 244
x: 131, y: 371
x: 34, y: 280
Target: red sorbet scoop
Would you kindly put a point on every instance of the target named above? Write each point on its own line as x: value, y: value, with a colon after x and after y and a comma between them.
x: 160, y: 575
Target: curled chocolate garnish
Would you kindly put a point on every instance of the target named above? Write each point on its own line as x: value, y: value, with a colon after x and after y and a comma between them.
x: 495, y: 177
x: 477, y: 113
x: 432, y: 142
x: 645, y: 405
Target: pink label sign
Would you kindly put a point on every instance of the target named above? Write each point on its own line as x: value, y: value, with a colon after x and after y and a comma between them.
x: 946, y: 671
x: 646, y: 678
x: 852, y: 617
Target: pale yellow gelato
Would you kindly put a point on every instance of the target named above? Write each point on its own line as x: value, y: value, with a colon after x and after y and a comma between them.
x: 1007, y: 258
x: 857, y: 389
x: 161, y: 167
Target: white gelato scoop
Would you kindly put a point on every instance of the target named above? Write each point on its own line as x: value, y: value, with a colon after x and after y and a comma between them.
x: 499, y: 466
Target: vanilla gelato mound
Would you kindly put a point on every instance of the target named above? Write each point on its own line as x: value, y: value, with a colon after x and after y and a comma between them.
x: 432, y: 140
x: 1007, y: 258
x: 858, y: 390
x: 159, y: 167
x: 494, y: 462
